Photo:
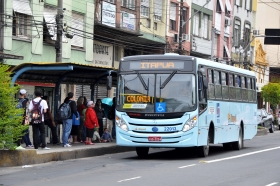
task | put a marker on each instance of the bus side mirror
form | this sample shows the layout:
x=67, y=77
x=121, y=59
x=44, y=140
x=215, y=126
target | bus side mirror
x=109, y=82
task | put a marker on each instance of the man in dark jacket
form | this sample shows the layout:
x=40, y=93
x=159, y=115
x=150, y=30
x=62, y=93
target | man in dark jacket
x=67, y=124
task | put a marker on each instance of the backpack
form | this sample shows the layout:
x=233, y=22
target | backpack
x=36, y=114
x=19, y=104
x=64, y=111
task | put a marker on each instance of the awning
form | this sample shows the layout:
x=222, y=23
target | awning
x=22, y=6
x=228, y=5
x=50, y=20
x=226, y=48
x=222, y=6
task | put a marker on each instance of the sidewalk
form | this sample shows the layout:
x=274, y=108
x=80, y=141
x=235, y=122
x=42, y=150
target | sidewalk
x=59, y=153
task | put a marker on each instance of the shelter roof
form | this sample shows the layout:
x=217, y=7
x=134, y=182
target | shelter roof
x=51, y=72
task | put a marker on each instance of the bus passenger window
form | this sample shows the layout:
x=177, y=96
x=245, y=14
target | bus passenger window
x=224, y=85
x=243, y=82
x=211, y=88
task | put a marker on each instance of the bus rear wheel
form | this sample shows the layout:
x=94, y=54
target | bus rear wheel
x=142, y=151
x=237, y=145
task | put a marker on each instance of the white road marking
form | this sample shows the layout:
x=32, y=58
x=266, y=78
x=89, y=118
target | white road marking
x=186, y=166
x=241, y=155
x=130, y=179
x=274, y=183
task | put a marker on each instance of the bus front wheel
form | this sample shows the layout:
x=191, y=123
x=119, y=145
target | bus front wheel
x=142, y=151
x=203, y=151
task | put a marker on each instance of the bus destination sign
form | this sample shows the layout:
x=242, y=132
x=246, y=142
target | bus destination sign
x=135, y=65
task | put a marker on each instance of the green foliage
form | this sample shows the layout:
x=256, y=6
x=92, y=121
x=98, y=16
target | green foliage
x=271, y=93
x=11, y=128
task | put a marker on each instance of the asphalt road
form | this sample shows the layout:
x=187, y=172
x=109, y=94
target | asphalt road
x=255, y=165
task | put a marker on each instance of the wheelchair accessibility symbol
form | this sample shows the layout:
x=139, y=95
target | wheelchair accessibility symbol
x=160, y=107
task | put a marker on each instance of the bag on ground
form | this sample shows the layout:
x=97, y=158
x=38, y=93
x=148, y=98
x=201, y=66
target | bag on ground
x=36, y=113
x=64, y=111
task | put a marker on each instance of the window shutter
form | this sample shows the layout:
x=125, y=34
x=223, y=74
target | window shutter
x=22, y=6
x=173, y=11
x=158, y=7
x=77, y=30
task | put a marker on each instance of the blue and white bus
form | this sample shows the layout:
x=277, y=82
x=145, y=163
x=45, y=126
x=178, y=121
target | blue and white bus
x=173, y=101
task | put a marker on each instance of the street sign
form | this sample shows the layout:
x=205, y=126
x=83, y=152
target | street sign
x=10, y=56
x=272, y=40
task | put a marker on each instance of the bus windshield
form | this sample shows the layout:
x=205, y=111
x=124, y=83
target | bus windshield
x=157, y=93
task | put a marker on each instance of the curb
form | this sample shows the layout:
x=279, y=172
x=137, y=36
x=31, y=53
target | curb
x=11, y=158
x=261, y=132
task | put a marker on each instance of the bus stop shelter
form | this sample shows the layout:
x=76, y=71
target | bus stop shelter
x=63, y=73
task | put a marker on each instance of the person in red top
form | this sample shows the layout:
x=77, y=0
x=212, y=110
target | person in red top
x=91, y=122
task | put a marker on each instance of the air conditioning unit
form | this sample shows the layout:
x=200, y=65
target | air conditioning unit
x=185, y=37
x=256, y=32
x=176, y=38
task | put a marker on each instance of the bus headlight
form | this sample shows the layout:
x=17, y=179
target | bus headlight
x=121, y=123
x=190, y=124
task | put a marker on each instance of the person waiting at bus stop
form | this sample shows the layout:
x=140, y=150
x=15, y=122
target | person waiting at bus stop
x=91, y=122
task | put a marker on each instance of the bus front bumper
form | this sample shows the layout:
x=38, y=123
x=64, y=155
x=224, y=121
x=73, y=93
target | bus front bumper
x=178, y=139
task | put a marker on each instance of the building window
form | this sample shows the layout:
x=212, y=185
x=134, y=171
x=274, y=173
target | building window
x=145, y=11
x=246, y=36
x=21, y=25
x=204, y=26
x=155, y=26
x=129, y=4
x=236, y=33
x=148, y=23
x=196, y=24
x=172, y=25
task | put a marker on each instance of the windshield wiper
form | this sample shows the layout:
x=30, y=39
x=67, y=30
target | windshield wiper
x=168, y=79
x=142, y=81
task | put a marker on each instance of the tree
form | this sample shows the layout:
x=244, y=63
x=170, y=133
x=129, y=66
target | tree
x=271, y=93
x=11, y=128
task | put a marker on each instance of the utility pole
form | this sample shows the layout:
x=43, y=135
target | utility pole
x=181, y=27
x=59, y=28
x=2, y=24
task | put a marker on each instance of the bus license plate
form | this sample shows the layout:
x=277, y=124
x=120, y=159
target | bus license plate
x=154, y=138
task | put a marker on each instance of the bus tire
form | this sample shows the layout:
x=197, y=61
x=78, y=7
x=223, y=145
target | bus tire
x=237, y=145
x=227, y=146
x=142, y=151
x=203, y=151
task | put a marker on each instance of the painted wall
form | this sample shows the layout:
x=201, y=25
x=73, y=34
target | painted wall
x=268, y=16
x=150, y=33
x=35, y=50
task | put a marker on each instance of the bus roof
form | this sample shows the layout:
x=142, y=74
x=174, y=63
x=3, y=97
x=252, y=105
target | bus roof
x=183, y=57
